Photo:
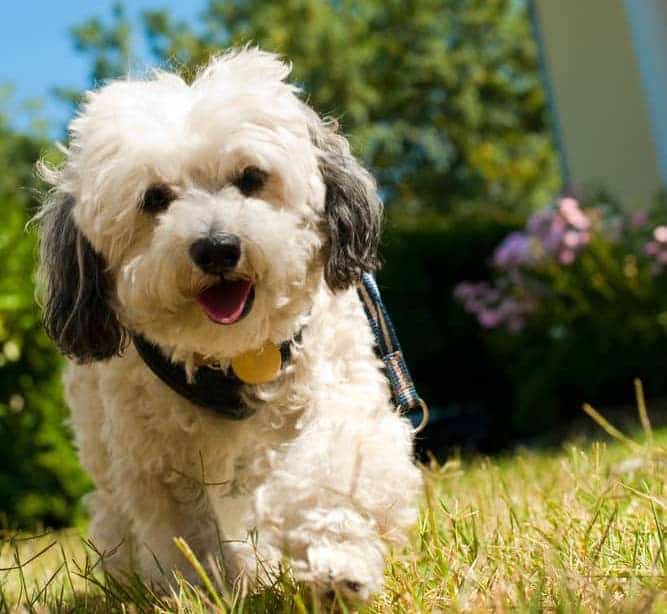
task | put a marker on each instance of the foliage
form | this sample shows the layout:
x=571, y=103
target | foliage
x=39, y=477
x=578, y=305
x=110, y=46
x=579, y=530
x=441, y=99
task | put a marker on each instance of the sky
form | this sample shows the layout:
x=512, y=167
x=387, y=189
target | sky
x=37, y=51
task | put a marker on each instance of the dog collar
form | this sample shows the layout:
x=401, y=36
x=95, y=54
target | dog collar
x=211, y=388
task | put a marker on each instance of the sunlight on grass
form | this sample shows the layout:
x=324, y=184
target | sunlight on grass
x=580, y=530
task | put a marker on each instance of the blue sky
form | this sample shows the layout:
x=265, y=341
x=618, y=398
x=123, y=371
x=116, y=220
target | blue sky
x=37, y=51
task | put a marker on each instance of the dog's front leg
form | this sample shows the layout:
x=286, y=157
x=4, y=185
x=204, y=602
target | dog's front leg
x=155, y=473
x=345, y=486
x=163, y=506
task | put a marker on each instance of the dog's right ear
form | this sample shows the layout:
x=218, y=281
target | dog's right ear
x=77, y=311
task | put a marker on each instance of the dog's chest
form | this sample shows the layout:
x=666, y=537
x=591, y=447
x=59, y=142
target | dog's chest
x=249, y=462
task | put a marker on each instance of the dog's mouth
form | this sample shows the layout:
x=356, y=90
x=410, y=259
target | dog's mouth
x=227, y=301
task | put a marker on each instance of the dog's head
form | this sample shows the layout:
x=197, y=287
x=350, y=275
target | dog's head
x=203, y=216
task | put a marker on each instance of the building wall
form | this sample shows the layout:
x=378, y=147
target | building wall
x=603, y=115
x=648, y=23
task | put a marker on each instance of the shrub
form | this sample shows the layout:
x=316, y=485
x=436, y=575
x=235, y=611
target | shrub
x=575, y=308
x=40, y=481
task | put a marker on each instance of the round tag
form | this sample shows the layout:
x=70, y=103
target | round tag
x=258, y=366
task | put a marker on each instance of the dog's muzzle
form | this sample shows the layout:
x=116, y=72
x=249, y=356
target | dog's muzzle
x=229, y=299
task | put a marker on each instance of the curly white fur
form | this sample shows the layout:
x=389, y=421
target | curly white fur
x=322, y=473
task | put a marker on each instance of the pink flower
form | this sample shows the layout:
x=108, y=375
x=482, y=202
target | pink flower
x=660, y=234
x=569, y=209
x=638, y=219
x=493, y=306
x=651, y=248
x=566, y=256
x=572, y=239
x=489, y=318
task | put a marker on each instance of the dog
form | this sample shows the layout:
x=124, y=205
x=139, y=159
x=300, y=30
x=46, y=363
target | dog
x=195, y=225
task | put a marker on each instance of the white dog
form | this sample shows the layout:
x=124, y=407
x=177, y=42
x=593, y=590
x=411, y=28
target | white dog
x=220, y=228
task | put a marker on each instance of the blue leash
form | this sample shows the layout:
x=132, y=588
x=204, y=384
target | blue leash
x=403, y=388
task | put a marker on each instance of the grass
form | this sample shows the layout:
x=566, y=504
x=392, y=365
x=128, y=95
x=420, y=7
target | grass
x=581, y=529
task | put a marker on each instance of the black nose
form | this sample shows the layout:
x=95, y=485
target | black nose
x=216, y=254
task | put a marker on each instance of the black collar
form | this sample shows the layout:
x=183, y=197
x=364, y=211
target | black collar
x=212, y=388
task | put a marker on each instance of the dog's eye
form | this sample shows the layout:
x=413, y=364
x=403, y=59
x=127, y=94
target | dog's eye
x=251, y=180
x=157, y=198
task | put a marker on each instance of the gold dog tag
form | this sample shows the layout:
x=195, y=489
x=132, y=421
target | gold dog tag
x=258, y=366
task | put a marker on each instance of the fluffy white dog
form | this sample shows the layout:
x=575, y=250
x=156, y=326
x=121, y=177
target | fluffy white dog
x=192, y=226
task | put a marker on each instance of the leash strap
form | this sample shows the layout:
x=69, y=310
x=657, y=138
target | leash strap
x=389, y=350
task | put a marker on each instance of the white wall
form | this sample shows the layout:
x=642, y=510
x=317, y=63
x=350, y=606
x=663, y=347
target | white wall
x=604, y=120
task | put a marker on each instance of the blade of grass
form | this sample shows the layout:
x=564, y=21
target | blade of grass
x=30, y=560
x=598, y=548
x=609, y=428
x=182, y=545
x=643, y=413
x=643, y=495
x=68, y=574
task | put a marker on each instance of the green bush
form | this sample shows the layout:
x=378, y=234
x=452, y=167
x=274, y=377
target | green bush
x=40, y=481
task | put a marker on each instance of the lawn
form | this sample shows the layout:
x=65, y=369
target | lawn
x=578, y=529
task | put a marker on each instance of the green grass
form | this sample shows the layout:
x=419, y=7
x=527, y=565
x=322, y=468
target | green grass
x=581, y=529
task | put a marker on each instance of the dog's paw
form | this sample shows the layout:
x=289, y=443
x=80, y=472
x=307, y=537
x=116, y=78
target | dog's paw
x=352, y=570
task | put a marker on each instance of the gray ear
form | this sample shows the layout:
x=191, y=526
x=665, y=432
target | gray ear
x=77, y=312
x=353, y=210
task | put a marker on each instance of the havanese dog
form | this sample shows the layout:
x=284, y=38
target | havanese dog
x=201, y=246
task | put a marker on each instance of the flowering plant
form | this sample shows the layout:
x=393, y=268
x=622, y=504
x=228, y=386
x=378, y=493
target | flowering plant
x=556, y=234
x=532, y=264
x=576, y=303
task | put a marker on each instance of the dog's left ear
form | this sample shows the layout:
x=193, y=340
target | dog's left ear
x=352, y=212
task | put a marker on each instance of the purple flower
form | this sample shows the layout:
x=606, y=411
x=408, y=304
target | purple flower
x=566, y=256
x=489, y=318
x=554, y=237
x=651, y=248
x=556, y=234
x=516, y=250
x=494, y=306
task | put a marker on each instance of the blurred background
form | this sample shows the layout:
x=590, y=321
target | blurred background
x=520, y=148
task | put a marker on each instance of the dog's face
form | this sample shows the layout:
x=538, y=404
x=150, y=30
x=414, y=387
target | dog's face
x=202, y=216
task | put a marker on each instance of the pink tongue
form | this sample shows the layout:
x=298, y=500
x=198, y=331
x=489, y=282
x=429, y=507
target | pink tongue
x=224, y=302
